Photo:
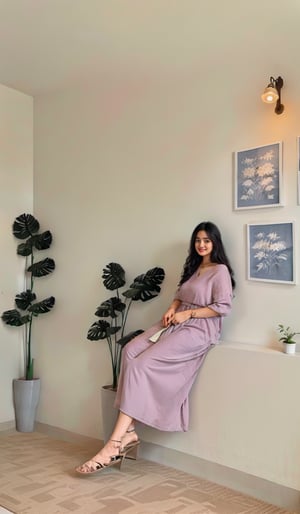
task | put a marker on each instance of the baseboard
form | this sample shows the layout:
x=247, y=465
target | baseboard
x=251, y=485
x=7, y=425
x=254, y=486
x=66, y=435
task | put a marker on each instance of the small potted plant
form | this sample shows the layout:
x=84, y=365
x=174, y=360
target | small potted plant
x=113, y=314
x=26, y=389
x=287, y=338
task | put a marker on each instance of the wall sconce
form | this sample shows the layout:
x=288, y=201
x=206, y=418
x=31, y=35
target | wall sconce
x=272, y=94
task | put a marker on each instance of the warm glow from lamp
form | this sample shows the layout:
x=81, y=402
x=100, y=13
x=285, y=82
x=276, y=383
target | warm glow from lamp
x=270, y=95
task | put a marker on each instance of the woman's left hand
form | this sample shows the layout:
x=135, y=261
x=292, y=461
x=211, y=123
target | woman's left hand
x=180, y=317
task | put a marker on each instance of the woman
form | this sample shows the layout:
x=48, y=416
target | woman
x=159, y=366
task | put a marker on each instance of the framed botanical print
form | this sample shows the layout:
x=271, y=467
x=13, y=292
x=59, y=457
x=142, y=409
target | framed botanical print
x=271, y=252
x=258, y=177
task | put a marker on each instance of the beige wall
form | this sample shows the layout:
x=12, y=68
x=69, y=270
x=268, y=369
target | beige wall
x=16, y=196
x=124, y=171
x=125, y=167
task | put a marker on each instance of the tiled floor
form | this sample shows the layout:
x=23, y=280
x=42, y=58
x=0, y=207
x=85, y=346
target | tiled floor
x=37, y=477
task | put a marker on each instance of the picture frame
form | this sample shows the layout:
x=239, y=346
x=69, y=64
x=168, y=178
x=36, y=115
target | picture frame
x=298, y=170
x=258, y=177
x=271, y=252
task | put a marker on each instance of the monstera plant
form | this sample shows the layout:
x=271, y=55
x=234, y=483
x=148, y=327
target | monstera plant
x=26, y=228
x=115, y=311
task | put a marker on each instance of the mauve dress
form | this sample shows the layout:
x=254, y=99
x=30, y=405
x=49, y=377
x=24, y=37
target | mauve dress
x=156, y=378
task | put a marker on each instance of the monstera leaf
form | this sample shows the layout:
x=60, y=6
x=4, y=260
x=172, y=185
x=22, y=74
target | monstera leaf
x=126, y=339
x=42, y=268
x=39, y=242
x=111, y=307
x=101, y=330
x=146, y=286
x=14, y=318
x=25, y=249
x=25, y=226
x=113, y=276
x=23, y=300
x=43, y=241
x=43, y=306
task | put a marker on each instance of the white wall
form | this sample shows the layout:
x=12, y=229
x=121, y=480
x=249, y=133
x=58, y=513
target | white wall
x=124, y=170
x=16, y=196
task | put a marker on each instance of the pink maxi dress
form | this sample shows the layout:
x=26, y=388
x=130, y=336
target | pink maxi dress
x=156, y=378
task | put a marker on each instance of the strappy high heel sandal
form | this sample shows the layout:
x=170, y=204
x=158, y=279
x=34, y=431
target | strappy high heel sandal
x=130, y=450
x=115, y=460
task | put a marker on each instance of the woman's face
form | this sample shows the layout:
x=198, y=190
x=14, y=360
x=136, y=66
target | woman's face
x=203, y=245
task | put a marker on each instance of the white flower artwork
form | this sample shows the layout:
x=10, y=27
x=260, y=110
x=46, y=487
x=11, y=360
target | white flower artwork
x=258, y=177
x=271, y=252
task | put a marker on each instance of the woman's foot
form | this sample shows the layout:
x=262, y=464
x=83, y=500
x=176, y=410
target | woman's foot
x=108, y=456
x=129, y=440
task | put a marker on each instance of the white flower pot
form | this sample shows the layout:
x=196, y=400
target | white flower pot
x=289, y=348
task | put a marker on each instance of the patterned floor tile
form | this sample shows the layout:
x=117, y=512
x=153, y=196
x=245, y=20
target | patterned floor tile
x=37, y=477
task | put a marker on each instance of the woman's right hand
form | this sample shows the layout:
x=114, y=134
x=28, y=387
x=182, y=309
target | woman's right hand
x=168, y=317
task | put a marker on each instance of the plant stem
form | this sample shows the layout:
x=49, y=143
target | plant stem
x=125, y=317
x=110, y=346
x=29, y=367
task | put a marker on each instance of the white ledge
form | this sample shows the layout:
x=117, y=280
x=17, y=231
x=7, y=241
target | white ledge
x=275, y=349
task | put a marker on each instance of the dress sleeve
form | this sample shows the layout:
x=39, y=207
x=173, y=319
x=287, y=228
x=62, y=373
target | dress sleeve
x=221, y=292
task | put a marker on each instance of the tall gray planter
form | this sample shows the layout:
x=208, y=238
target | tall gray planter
x=26, y=394
x=109, y=413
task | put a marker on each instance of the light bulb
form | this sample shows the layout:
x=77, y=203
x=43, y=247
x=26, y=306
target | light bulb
x=270, y=95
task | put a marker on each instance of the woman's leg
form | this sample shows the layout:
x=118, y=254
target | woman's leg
x=112, y=447
x=132, y=350
x=156, y=382
x=122, y=425
x=124, y=430
x=130, y=437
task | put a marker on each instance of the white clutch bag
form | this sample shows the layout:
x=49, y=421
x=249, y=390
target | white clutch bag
x=157, y=335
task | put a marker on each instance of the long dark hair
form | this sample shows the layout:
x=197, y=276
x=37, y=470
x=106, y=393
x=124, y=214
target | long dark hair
x=218, y=254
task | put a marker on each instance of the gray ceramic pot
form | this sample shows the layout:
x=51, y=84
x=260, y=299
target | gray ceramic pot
x=26, y=394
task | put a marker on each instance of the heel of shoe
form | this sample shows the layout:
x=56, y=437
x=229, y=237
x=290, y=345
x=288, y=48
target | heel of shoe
x=132, y=452
x=120, y=462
